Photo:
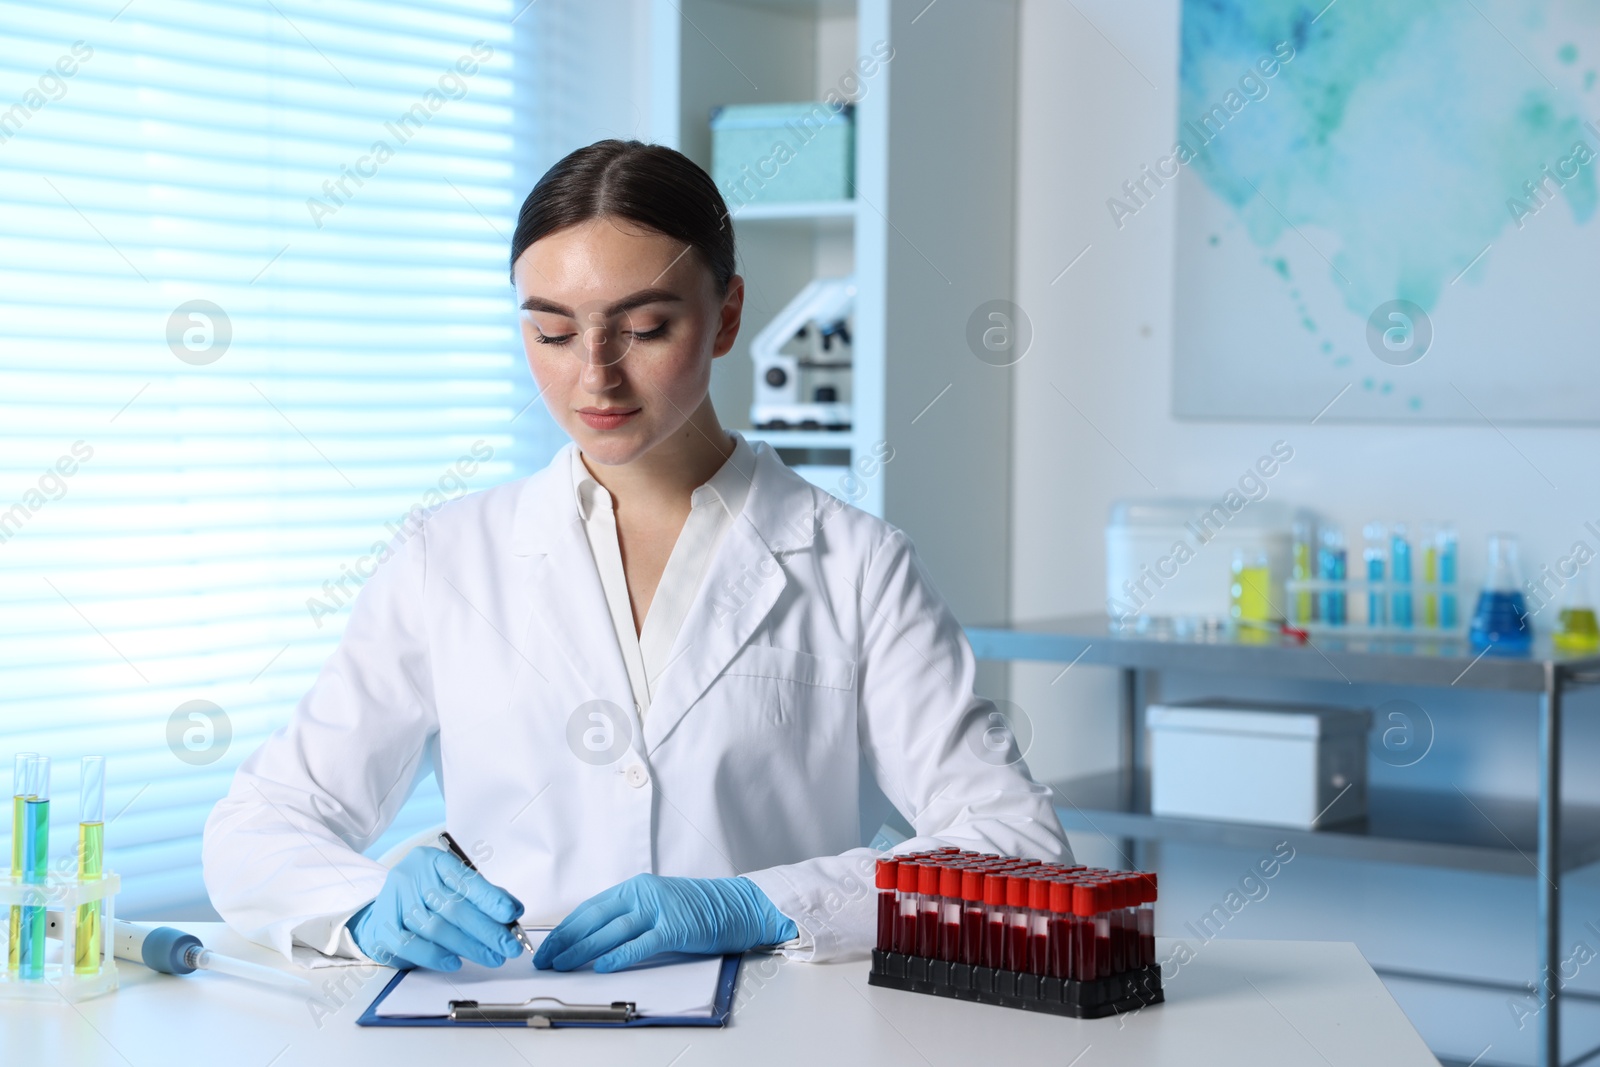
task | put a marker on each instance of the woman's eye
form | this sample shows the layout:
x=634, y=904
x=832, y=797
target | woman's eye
x=650, y=335
x=559, y=339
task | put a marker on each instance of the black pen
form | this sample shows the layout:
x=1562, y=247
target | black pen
x=455, y=850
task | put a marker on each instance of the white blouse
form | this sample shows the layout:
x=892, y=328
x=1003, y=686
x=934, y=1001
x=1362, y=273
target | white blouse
x=712, y=510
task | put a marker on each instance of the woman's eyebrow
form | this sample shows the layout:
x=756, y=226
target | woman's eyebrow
x=627, y=303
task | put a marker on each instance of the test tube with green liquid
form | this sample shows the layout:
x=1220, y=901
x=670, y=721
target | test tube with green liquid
x=91, y=848
x=35, y=863
x=19, y=813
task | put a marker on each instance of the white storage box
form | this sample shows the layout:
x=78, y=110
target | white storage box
x=1282, y=765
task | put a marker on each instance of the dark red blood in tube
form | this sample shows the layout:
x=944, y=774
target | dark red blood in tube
x=1084, y=965
x=994, y=937
x=971, y=917
x=905, y=936
x=887, y=879
x=928, y=912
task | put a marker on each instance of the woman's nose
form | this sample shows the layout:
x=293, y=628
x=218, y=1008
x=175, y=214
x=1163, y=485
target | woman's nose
x=601, y=360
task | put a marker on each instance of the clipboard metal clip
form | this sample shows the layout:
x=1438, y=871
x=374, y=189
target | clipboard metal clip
x=536, y=1012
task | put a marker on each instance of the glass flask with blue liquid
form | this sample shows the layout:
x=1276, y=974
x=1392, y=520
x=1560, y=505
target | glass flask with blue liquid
x=1500, y=622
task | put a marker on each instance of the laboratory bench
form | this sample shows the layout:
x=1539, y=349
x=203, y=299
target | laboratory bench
x=1228, y=1004
x=1540, y=837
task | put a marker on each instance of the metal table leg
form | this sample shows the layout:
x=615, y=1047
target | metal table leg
x=1129, y=713
x=1549, y=953
x=1137, y=689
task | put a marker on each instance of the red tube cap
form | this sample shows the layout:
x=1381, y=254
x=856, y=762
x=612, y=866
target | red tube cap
x=972, y=885
x=928, y=882
x=1039, y=894
x=1085, y=897
x=888, y=876
x=994, y=890
x=1017, y=890
x=950, y=882
x=908, y=877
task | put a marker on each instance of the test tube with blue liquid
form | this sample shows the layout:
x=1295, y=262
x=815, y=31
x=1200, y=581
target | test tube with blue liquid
x=1304, y=568
x=1331, y=567
x=1400, y=573
x=19, y=823
x=1376, y=555
x=35, y=864
x=1446, y=542
x=91, y=847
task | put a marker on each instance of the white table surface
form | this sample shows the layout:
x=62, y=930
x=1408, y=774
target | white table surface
x=1283, y=1003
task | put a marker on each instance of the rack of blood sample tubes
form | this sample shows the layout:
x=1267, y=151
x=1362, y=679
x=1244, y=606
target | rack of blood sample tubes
x=1021, y=933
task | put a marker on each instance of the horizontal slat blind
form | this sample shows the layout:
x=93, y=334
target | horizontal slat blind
x=339, y=178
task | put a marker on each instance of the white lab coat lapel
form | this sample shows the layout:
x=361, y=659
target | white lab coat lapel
x=571, y=624
x=744, y=581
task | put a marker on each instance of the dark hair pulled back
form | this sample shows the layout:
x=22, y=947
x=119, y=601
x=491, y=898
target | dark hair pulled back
x=649, y=184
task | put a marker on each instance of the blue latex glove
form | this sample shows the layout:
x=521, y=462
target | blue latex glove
x=434, y=909
x=648, y=914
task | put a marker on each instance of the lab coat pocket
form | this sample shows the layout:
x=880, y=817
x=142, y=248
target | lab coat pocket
x=787, y=664
x=796, y=684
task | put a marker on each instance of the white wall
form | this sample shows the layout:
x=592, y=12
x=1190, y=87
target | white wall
x=1097, y=99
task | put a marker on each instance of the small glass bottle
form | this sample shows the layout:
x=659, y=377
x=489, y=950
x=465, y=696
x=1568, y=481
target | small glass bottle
x=1577, y=629
x=1500, y=622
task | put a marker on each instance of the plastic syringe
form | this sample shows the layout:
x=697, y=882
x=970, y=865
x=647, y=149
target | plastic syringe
x=171, y=951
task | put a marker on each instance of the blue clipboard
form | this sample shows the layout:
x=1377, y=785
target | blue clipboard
x=721, y=1009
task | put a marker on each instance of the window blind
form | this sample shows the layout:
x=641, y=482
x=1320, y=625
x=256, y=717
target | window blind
x=253, y=311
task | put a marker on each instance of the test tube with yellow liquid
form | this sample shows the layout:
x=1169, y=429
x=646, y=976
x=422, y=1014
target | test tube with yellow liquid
x=19, y=814
x=91, y=857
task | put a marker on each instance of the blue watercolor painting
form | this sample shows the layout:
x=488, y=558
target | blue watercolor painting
x=1337, y=163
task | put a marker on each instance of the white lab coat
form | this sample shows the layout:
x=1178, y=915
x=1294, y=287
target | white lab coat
x=818, y=646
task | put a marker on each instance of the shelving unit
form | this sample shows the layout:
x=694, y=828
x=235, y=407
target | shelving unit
x=1542, y=838
x=928, y=235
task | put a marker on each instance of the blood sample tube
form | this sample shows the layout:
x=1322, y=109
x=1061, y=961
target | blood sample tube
x=950, y=912
x=928, y=910
x=1147, y=921
x=1016, y=952
x=1039, y=925
x=971, y=951
x=886, y=881
x=1058, y=964
x=907, y=879
x=1102, y=929
x=994, y=920
x=1115, y=906
x=1085, y=968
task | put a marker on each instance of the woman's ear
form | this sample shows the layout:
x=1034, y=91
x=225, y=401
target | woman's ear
x=732, y=314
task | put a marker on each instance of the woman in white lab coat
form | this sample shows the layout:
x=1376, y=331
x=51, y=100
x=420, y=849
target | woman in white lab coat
x=646, y=677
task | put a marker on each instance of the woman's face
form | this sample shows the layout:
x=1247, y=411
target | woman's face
x=621, y=324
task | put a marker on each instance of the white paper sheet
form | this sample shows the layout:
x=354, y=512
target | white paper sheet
x=667, y=984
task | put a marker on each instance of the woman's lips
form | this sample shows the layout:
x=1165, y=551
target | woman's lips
x=607, y=420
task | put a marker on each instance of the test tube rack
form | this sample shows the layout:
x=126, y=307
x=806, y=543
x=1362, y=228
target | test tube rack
x=1096, y=999
x=1442, y=601
x=61, y=893
x=938, y=914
